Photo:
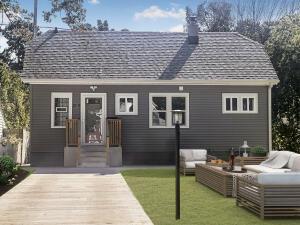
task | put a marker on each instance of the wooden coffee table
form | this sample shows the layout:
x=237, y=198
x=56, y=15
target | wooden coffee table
x=217, y=179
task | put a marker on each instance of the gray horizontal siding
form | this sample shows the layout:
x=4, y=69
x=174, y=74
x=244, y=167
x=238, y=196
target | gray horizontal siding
x=209, y=128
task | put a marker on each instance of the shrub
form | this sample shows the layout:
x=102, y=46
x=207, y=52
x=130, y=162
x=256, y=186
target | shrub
x=7, y=168
x=258, y=150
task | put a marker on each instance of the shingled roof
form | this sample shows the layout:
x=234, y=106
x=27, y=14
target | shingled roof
x=145, y=55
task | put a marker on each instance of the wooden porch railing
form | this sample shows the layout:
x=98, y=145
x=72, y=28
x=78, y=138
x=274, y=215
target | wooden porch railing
x=113, y=132
x=72, y=132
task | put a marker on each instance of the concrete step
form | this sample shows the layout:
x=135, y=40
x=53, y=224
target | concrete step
x=93, y=159
x=93, y=154
x=92, y=148
x=92, y=164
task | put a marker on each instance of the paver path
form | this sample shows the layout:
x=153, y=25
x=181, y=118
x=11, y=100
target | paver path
x=74, y=197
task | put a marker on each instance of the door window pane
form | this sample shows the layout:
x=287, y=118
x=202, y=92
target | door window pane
x=159, y=103
x=61, y=113
x=234, y=104
x=159, y=119
x=93, y=121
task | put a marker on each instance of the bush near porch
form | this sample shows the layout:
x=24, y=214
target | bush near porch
x=155, y=190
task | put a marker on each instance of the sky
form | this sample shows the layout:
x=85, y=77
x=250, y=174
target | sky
x=135, y=15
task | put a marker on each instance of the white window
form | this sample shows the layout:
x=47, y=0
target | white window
x=126, y=104
x=61, y=108
x=239, y=103
x=165, y=109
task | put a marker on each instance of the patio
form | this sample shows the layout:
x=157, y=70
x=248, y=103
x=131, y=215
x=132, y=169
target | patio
x=72, y=196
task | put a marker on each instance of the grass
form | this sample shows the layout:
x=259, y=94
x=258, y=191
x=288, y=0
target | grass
x=155, y=190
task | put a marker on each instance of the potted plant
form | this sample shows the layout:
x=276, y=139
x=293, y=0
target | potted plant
x=258, y=151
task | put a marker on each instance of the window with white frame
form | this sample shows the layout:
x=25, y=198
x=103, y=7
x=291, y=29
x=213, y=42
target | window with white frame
x=126, y=104
x=61, y=108
x=165, y=109
x=239, y=103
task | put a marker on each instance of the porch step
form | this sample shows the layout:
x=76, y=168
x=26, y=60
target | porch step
x=92, y=156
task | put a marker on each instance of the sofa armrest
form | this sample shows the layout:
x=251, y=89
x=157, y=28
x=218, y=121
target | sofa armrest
x=182, y=161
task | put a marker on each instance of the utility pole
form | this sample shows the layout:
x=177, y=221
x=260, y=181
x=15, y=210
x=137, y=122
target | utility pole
x=35, y=18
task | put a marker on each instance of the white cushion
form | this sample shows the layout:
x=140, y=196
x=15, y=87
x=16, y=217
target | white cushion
x=279, y=178
x=296, y=164
x=291, y=160
x=191, y=165
x=264, y=169
x=271, y=153
x=200, y=154
x=187, y=154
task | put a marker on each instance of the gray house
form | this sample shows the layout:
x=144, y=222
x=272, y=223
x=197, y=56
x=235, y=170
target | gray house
x=217, y=85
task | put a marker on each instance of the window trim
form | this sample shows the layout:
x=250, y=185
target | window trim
x=240, y=97
x=126, y=95
x=55, y=95
x=169, y=109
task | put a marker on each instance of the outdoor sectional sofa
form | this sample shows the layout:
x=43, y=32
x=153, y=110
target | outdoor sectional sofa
x=271, y=192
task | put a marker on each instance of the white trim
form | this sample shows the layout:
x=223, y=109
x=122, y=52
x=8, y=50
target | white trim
x=240, y=97
x=270, y=116
x=134, y=96
x=55, y=95
x=83, y=96
x=232, y=82
x=169, y=108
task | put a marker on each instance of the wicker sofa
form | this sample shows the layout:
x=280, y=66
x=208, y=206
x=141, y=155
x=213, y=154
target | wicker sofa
x=270, y=194
x=190, y=157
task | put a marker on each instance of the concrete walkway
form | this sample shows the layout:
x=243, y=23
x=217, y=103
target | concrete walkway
x=72, y=196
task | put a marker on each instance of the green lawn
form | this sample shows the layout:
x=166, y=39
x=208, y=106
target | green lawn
x=155, y=188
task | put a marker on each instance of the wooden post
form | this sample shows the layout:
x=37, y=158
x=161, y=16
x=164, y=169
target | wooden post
x=177, y=130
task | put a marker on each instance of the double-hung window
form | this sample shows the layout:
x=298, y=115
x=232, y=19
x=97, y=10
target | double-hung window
x=126, y=104
x=165, y=109
x=239, y=103
x=61, y=108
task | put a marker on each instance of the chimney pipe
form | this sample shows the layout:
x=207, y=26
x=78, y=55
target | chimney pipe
x=193, y=30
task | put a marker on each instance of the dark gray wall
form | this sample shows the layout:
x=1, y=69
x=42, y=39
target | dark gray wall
x=209, y=128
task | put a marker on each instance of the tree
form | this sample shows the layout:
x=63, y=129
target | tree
x=102, y=26
x=74, y=12
x=213, y=17
x=283, y=47
x=14, y=97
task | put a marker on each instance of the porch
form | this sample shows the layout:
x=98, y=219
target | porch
x=98, y=148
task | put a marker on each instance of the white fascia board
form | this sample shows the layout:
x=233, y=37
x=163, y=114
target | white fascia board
x=150, y=82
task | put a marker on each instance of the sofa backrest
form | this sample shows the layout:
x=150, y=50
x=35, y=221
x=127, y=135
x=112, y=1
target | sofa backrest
x=194, y=154
x=292, y=159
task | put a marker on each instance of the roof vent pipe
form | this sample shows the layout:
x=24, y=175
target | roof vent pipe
x=193, y=30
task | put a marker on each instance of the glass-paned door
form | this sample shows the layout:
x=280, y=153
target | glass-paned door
x=93, y=118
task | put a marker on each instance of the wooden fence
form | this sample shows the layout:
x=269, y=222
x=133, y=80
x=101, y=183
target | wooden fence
x=72, y=132
x=113, y=132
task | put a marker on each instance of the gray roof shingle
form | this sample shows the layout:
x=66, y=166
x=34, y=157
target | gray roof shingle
x=145, y=55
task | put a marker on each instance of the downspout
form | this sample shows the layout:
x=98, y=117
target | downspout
x=270, y=115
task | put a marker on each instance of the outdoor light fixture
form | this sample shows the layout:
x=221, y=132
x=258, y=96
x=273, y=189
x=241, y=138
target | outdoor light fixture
x=93, y=88
x=180, y=88
x=178, y=116
x=245, y=146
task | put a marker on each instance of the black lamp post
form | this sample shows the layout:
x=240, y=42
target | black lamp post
x=177, y=119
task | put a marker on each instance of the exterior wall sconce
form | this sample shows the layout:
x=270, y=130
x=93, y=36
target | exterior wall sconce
x=93, y=88
x=180, y=88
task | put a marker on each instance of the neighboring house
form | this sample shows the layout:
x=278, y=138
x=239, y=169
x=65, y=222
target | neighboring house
x=220, y=82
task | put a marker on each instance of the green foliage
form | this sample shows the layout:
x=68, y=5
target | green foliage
x=14, y=98
x=258, y=150
x=283, y=47
x=7, y=168
x=74, y=12
x=102, y=26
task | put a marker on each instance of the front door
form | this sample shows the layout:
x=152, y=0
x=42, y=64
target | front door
x=93, y=117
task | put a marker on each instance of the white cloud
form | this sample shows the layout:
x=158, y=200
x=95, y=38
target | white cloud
x=94, y=2
x=177, y=28
x=154, y=12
